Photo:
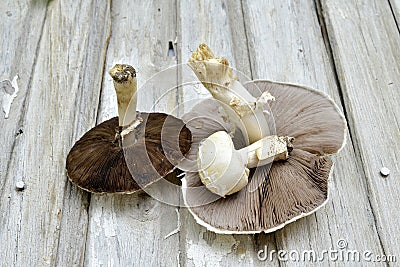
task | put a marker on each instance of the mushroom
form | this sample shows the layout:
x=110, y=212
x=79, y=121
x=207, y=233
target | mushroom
x=277, y=193
x=228, y=173
x=127, y=153
x=242, y=108
x=224, y=170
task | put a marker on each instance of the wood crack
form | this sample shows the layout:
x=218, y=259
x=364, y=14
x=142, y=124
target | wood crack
x=104, y=64
x=350, y=120
x=251, y=71
x=247, y=40
x=20, y=123
x=277, y=248
x=394, y=16
x=329, y=50
x=24, y=104
x=89, y=197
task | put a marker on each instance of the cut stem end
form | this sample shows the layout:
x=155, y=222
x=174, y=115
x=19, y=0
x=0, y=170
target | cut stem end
x=125, y=85
x=217, y=76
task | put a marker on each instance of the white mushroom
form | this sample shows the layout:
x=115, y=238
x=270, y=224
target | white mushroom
x=283, y=192
x=225, y=170
x=222, y=169
x=242, y=108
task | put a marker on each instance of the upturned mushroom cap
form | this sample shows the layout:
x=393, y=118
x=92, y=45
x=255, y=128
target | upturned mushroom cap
x=99, y=164
x=285, y=191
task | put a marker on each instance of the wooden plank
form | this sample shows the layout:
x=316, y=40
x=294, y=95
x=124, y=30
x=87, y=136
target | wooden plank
x=75, y=218
x=57, y=110
x=286, y=44
x=395, y=7
x=18, y=55
x=220, y=25
x=365, y=42
x=130, y=230
x=46, y=224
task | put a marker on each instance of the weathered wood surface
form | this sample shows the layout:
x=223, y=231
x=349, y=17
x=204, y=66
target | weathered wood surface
x=130, y=230
x=46, y=223
x=395, y=8
x=220, y=24
x=365, y=43
x=288, y=46
x=61, y=51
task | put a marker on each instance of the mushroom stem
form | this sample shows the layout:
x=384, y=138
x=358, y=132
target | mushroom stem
x=266, y=150
x=125, y=85
x=216, y=75
x=224, y=170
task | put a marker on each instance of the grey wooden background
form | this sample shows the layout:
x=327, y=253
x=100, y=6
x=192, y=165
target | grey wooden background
x=61, y=51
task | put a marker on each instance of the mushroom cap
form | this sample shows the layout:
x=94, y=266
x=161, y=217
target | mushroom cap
x=98, y=164
x=221, y=167
x=281, y=192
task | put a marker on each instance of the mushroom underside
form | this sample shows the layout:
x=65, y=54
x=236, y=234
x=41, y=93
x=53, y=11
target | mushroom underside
x=294, y=188
x=280, y=192
x=310, y=116
x=97, y=163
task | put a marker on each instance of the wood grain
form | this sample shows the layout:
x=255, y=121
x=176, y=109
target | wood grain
x=286, y=44
x=395, y=8
x=18, y=56
x=129, y=230
x=365, y=42
x=37, y=230
x=220, y=25
x=61, y=51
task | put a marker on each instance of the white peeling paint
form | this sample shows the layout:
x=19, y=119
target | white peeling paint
x=179, y=225
x=203, y=254
x=9, y=93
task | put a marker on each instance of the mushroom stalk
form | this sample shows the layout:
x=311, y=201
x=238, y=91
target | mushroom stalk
x=225, y=170
x=125, y=85
x=266, y=150
x=216, y=75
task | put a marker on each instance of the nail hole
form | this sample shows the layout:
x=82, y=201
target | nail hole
x=171, y=50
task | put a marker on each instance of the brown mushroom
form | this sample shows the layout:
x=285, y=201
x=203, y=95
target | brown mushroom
x=127, y=153
x=277, y=193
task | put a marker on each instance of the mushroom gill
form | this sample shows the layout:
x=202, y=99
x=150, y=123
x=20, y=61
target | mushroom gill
x=283, y=191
